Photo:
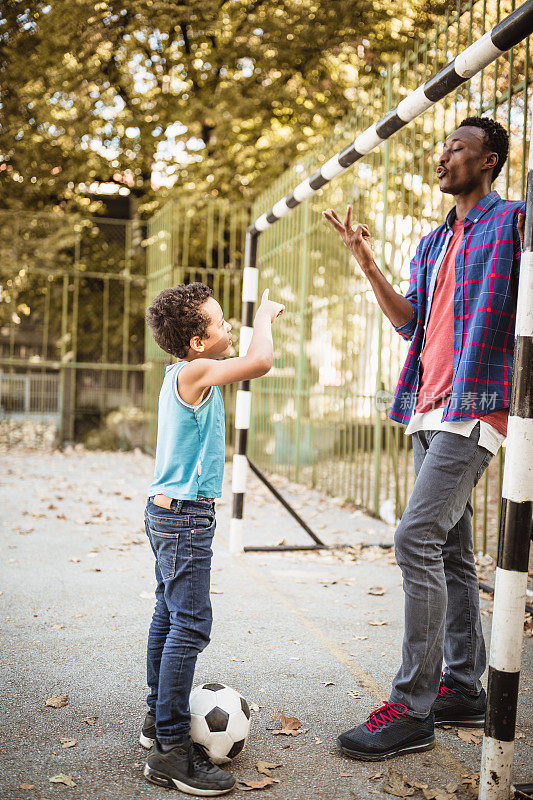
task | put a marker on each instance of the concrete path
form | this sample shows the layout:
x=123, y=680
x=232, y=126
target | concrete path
x=313, y=635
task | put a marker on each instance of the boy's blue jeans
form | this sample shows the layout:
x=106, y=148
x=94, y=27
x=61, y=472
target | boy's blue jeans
x=181, y=539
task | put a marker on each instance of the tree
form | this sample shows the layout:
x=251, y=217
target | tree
x=215, y=98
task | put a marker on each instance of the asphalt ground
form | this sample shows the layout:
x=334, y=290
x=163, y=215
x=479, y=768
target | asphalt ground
x=313, y=635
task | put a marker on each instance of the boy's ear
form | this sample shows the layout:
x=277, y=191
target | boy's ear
x=196, y=344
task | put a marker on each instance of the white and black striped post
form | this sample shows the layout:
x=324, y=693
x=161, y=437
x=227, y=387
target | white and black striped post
x=480, y=54
x=513, y=550
x=244, y=395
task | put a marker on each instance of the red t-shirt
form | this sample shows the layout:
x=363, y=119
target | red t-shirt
x=436, y=361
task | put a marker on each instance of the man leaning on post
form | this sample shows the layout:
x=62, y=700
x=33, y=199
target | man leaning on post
x=454, y=394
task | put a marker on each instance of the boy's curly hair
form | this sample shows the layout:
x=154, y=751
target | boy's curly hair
x=175, y=316
x=496, y=139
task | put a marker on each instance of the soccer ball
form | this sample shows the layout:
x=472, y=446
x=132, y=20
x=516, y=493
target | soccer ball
x=220, y=720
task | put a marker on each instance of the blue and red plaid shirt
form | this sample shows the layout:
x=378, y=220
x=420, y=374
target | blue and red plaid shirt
x=484, y=307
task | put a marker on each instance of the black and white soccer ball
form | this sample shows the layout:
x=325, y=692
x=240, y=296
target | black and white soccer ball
x=220, y=720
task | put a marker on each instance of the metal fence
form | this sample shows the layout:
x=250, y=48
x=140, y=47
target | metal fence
x=320, y=415
x=71, y=319
x=185, y=244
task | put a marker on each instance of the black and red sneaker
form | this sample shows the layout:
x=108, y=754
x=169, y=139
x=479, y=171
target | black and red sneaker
x=389, y=731
x=454, y=706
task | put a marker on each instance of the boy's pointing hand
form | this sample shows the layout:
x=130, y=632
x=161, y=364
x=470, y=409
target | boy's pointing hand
x=270, y=307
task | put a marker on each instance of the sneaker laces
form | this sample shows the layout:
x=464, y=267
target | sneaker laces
x=197, y=757
x=443, y=689
x=385, y=714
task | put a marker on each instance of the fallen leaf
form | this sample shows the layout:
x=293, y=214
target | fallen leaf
x=57, y=627
x=469, y=736
x=247, y=786
x=346, y=775
x=57, y=701
x=374, y=776
x=26, y=786
x=240, y=660
x=90, y=720
x=471, y=779
x=264, y=767
x=66, y=743
x=377, y=591
x=66, y=779
x=290, y=726
x=360, y=638
x=377, y=622
x=397, y=784
x=452, y=787
x=74, y=560
x=355, y=694
x=328, y=683
x=254, y=707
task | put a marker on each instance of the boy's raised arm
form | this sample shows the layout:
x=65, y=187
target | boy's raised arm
x=204, y=372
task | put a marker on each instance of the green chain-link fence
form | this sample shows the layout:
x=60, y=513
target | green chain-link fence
x=320, y=416
x=71, y=323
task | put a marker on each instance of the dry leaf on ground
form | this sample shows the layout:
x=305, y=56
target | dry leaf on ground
x=66, y=779
x=374, y=776
x=397, y=784
x=264, y=767
x=471, y=779
x=89, y=720
x=469, y=736
x=57, y=701
x=247, y=786
x=328, y=683
x=360, y=638
x=66, y=743
x=290, y=726
x=377, y=622
x=26, y=786
x=438, y=794
x=376, y=590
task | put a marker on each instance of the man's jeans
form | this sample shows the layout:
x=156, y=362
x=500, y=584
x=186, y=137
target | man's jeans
x=181, y=540
x=434, y=549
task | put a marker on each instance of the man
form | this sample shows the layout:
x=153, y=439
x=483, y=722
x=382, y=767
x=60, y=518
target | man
x=454, y=391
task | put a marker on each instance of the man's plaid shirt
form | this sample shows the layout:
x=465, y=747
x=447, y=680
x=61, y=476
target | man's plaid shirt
x=486, y=283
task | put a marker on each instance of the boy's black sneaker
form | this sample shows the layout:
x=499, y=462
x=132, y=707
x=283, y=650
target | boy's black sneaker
x=456, y=707
x=389, y=731
x=147, y=737
x=188, y=768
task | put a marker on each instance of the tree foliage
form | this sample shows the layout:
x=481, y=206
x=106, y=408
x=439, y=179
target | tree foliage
x=213, y=98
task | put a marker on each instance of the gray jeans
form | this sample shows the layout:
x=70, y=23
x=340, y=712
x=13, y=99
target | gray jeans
x=434, y=549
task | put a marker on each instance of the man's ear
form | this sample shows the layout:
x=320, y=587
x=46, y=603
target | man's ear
x=491, y=160
x=196, y=344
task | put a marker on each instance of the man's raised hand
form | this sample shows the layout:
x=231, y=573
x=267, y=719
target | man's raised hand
x=357, y=241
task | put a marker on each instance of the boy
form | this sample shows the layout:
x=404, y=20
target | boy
x=188, y=323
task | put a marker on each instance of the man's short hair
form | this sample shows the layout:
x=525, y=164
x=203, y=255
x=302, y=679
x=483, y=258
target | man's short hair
x=175, y=316
x=496, y=139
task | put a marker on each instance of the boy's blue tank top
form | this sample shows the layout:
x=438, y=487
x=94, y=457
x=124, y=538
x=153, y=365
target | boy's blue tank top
x=189, y=458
